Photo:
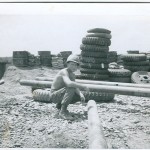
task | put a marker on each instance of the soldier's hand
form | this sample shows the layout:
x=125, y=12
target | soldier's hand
x=86, y=89
x=82, y=98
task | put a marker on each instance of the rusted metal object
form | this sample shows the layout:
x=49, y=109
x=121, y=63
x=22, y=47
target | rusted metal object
x=96, y=135
x=2, y=82
x=133, y=91
x=101, y=83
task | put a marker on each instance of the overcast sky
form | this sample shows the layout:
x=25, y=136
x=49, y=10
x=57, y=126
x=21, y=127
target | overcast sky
x=60, y=27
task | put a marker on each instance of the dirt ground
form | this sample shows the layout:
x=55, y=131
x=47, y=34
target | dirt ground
x=25, y=123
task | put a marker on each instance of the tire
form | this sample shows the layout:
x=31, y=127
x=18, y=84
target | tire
x=98, y=96
x=138, y=63
x=94, y=66
x=101, y=35
x=41, y=95
x=119, y=72
x=120, y=79
x=93, y=71
x=99, y=30
x=134, y=57
x=92, y=77
x=94, y=54
x=137, y=68
x=86, y=47
x=96, y=41
x=93, y=60
x=137, y=77
x=133, y=52
x=112, y=53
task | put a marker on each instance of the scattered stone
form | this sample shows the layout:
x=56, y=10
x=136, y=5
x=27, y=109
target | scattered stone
x=42, y=129
x=49, y=131
x=110, y=120
x=115, y=110
x=148, y=132
x=116, y=131
x=135, y=121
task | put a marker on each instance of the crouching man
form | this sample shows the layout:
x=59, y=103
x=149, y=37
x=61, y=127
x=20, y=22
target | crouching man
x=65, y=90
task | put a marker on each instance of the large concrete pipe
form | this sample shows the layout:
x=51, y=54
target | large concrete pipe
x=96, y=135
x=34, y=83
x=100, y=82
x=133, y=91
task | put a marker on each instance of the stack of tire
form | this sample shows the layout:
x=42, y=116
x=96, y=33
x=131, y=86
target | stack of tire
x=112, y=56
x=45, y=58
x=94, y=51
x=136, y=62
x=94, y=61
x=20, y=58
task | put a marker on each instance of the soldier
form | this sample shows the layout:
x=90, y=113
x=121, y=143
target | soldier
x=65, y=90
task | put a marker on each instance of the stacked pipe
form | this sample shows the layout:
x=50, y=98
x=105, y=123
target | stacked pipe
x=94, y=61
x=135, y=62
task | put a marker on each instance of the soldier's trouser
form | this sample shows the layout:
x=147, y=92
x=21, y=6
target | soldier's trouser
x=65, y=96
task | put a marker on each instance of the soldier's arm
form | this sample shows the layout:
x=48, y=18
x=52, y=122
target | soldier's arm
x=69, y=83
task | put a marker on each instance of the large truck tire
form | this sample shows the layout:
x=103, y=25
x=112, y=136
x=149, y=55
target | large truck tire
x=93, y=77
x=94, y=71
x=94, y=66
x=94, y=60
x=137, y=68
x=99, y=30
x=94, y=54
x=98, y=96
x=95, y=48
x=120, y=79
x=42, y=95
x=134, y=57
x=120, y=72
x=138, y=63
x=101, y=35
x=96, y=41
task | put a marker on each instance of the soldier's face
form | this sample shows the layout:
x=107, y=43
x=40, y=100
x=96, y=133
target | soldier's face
x=73, y=66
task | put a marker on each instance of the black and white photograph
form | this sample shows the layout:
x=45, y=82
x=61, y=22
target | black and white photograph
x=75, y=75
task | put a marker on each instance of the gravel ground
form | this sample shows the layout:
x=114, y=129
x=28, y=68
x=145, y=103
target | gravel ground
x=29, y=124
